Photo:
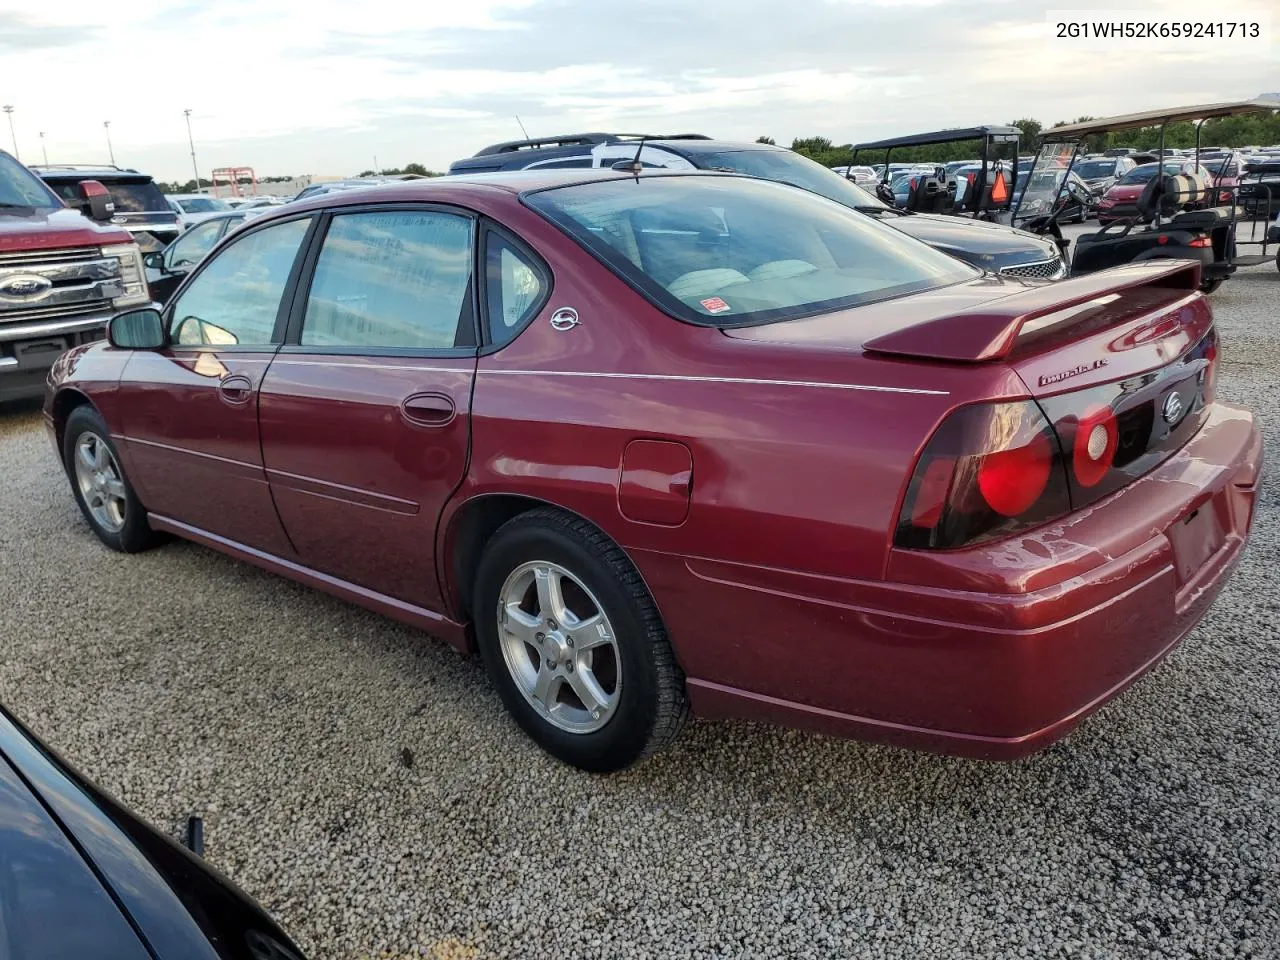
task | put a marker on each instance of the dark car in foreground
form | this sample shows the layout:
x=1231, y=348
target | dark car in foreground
x=140, y=206
x=82, y=877
x=988, y=246
x=686, y=441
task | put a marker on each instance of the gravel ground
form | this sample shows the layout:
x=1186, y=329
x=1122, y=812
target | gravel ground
x=361, y=780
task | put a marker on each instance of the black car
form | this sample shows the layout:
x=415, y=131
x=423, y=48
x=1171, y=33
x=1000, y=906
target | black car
x=1260, y=189
x=82, y=877
x=169, y=268
x=989, y=246
x=140, y=206
x=1099, y=173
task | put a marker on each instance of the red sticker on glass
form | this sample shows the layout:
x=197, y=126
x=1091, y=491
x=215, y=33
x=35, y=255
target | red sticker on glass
x=714, y=305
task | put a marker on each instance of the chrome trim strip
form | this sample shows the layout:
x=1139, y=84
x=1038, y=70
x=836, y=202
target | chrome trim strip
x=8, y=362
x=53, y=329
x=751, y=381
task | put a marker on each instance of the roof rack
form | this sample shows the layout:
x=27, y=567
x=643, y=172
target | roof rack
x=573, y=139
x=80, y=166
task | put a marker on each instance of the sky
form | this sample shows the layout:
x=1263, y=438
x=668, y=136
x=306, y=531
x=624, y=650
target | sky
x=324, y=87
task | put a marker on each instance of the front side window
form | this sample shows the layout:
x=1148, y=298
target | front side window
x=514, y=288
x=392, y=279
x=733, y=250
x=234, y=300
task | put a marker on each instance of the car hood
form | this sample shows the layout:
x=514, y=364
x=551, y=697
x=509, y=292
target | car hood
x=986, y=245
x=1125, y=191
x=31, y=228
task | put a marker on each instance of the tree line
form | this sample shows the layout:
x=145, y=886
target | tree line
x=1247, y=130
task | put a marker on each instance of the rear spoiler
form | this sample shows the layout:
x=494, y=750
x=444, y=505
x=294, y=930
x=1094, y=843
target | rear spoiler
x=990, y=331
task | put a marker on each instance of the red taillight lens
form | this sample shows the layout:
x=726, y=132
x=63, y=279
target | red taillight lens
x=989, y=470
x=1209, y=378
x=1201, y=242
x=1012, y=480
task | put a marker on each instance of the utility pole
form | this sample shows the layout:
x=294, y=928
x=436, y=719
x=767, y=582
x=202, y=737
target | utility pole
x=375, y=164
x=194, y=167
x=43, y=152
x=106, y=125
x=13, y=136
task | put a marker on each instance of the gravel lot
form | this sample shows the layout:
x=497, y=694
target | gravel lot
x=362, y=781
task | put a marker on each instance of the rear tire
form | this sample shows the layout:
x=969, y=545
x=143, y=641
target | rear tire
x=574, y=644
x=98, y=482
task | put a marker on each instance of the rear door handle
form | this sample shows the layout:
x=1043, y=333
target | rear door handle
x=235, y=389
x=428, y=409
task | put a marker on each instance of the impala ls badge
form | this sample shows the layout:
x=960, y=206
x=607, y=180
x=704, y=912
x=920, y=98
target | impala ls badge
x=1172, y=411
x=566, y=318
x=24, y=287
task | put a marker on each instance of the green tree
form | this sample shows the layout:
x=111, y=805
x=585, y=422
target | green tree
x=768, y=140
x=1030, y=129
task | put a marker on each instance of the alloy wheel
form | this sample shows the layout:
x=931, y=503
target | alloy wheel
x=559, y=647
x=100, y=482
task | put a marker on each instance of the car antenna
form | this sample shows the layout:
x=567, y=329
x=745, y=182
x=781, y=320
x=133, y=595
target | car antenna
x=522, y=129
x=633, y=165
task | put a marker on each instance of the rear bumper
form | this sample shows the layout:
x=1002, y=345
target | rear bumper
x=992, y=652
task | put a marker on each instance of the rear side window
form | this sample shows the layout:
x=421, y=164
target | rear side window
x=734, y=250
x=392, y=279
x=515, y=288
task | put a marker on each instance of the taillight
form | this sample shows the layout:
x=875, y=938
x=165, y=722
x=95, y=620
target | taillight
x=1097, y=436
x=989, y=470
x=1201, y=242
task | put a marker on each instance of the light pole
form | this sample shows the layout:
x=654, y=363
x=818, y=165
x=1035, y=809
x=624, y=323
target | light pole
x=106, y=125
x=13, y=136
x=194, y=167
x=43, y=152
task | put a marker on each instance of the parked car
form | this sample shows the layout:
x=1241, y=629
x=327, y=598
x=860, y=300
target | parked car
x=1224, y=176
x=167, y=269
x=62, y=274
x=858, y=174
x=986, y=245
x=140, y=207
x=195, y=207
x=1120, y=202
x=82, y=876
x=1100, y=173
x=1260, y=189
x=703, y=442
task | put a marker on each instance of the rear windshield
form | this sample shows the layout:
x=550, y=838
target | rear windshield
x=1094, y=169
x=787, y=167
x=19, y=187
x=144, y=197
x=728, y=251
x=203, y=205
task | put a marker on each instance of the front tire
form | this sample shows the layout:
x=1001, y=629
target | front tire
x=574, y=644
x=106, y=498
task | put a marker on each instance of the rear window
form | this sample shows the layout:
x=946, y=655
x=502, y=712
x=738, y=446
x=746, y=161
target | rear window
x=728, y=251
x=144, y=197
x=203, y=205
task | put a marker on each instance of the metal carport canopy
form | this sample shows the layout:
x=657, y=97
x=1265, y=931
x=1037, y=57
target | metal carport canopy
x=942, y=136
x=1151, y=118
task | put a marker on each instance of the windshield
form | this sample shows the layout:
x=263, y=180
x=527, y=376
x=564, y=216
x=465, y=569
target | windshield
x=144, y=197
x=728, y=251
x=1043, y=182
x=19, y=187
x=1221, y=168
x=203, y=205
x=787, y=167
x=1146, y=172
x=1096, y=169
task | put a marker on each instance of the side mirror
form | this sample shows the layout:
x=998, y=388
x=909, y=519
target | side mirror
x=137, y=330
x=96, y=200
x=153, y=260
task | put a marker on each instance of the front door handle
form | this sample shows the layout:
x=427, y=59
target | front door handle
x=235, y=389
x=428, y=409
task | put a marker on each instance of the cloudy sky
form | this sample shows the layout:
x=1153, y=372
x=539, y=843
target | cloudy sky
x=322, y=87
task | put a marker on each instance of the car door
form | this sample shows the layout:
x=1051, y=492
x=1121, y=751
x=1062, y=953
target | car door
x=365, y=414
x=182, y=256
x=190, y=410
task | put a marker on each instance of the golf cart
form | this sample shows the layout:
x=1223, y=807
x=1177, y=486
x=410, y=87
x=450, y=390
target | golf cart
x=984, y=194
x=1177, y=215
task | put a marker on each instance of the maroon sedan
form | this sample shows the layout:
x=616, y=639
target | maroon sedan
x=673, y=442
